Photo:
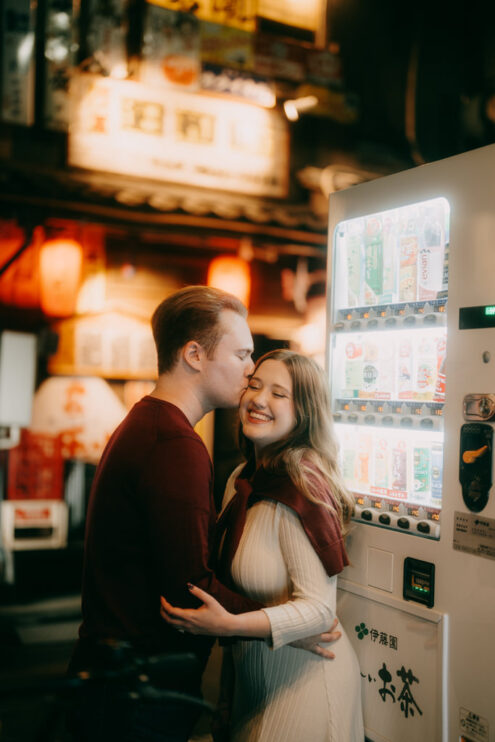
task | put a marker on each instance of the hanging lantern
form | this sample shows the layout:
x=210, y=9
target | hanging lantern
x=231, y=273
x=60, y=274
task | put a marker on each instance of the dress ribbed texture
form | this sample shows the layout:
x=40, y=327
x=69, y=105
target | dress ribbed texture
x=282, y=693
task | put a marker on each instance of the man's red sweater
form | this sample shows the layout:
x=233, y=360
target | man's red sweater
x=150, y=529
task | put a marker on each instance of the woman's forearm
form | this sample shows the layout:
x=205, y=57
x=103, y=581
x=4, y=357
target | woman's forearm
x=254, y=624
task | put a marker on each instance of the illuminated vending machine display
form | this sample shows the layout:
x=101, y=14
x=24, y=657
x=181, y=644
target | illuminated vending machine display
x=388, y=351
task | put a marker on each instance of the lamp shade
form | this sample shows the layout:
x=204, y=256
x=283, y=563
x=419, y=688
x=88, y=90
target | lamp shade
x=232, y=274
x=60, y=275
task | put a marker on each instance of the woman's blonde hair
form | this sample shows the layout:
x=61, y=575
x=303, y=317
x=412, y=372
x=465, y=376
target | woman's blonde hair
x=309, y=453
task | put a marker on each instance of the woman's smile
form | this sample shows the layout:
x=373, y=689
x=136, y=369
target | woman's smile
x=256, y=416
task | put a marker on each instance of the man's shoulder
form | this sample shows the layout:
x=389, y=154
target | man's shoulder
x=162, y=426
x=158, y=417
x=151, y=423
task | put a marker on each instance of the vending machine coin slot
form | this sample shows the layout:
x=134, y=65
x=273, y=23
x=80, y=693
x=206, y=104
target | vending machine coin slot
x=479, y=407
x=419, y=581
x=475, y=464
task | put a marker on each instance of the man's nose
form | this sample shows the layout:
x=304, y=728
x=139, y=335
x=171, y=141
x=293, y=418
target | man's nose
x=249, y=367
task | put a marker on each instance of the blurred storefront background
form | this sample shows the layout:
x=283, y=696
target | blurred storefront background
x=147, y=145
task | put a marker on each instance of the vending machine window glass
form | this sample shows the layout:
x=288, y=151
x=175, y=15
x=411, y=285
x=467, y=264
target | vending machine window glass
x=387, y=362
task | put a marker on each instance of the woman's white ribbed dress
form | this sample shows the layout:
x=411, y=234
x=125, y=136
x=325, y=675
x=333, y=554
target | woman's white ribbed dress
x=284, y=694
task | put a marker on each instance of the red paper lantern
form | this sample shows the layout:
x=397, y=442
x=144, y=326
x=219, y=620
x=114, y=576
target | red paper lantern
x=232, y=274
x=60, y=275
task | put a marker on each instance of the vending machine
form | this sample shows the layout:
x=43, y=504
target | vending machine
x=411, y=363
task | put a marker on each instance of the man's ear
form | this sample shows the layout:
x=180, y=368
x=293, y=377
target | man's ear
x=193, y=354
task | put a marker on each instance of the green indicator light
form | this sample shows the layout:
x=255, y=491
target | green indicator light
x=421, y=589
x=489, y=311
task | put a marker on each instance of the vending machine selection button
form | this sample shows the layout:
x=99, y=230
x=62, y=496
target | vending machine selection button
x=430, y=319
x=427, y=422
x=423, y=527
x=367, y=515
x=384, y=518
x=403, y=523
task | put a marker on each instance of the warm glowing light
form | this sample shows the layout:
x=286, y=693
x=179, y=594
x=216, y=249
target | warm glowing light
x=119, y=71
x=60, y=274
x=232, y=274
x=25, y=51
x=294, y=107
x=305, y=14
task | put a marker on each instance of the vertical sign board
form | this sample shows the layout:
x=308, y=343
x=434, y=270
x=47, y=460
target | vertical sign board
x=400, y=657
x=17, y=57
x=60, y=56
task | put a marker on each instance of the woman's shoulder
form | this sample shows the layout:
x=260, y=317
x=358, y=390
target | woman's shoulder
x=230, y=486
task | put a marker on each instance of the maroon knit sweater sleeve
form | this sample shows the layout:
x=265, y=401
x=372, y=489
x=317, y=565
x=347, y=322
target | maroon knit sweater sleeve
x=176, y=487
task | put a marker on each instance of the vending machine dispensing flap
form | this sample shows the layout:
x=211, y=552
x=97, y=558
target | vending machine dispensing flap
x=475, y=464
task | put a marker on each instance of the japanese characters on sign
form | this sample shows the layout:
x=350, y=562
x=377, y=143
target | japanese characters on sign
x=209, y=141
x=400, y=658
x=390, y=690
x=381, y=637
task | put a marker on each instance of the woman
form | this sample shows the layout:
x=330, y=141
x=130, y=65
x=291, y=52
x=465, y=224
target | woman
x=280, y=535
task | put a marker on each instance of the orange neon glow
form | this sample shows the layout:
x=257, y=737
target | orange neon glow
x=232, y=274
x=60, y=274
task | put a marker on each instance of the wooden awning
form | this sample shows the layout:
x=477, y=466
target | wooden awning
x=42, y=193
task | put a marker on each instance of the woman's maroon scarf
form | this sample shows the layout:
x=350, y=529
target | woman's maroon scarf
x=322, y=526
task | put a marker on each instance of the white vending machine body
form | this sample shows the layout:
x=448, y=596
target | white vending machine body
x=411, y=363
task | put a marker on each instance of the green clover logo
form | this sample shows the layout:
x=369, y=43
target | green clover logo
x=361, y=630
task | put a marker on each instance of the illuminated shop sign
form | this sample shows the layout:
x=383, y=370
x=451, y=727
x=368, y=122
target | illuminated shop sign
x=201, y=140
x=292, y=12
x=238, y=13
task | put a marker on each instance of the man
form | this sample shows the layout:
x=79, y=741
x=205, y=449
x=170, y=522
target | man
x=151, y=515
